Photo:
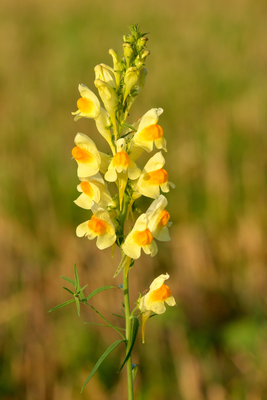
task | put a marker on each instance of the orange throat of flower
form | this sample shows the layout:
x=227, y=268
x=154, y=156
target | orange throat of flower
x=87, y=189
x=164, y=217
x=160, y=294
x=85, y=105
x=98, y=226
x=142, y=238
x=158, y=177
x=82, y=155
x=121, y=159
x=151, y=132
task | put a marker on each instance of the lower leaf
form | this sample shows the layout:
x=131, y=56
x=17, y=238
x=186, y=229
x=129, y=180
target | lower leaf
x=101, y=359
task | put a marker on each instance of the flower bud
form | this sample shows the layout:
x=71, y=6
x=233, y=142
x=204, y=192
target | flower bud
x=128, y=38
x=128, y=53
x=102, y=124
x=117, y=66
x=139, y=86
x=107, y=94
x=109, y=98
x=141, y=42
x=106, y=74
x=140, y=61
x=130, y=79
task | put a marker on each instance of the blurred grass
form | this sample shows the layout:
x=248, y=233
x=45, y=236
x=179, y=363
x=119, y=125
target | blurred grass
x=207, y=70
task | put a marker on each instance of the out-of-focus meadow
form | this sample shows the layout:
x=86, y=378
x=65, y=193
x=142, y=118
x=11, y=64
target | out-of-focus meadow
x=207, y=70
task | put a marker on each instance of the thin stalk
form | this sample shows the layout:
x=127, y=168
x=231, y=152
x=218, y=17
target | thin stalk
x=128, y=332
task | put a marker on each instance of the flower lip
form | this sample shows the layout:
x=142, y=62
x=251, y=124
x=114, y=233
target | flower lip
x=87, y=188
x=85, y=105
x=121, y=159
x=151, y=132
x=142, y=238
x=158, y=177
x=164, y=218
x=160, y=294
x=81, y=155
x=97, y=225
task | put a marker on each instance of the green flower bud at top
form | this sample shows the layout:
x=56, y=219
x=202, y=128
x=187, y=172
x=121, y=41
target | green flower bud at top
x=144, y=54
x=117, y=65
x=141, y=43
x=128, y=38
x=140, y=61
x=106, y=74
x=138, y=88
x=130, y=79
x=128, y=53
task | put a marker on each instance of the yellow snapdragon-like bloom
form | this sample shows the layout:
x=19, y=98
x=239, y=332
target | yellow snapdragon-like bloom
x=93, y=190
x=88, y=104
x=139, y=238
x=153, y=178
x=121, y=167
x=158, y=219
x=153, y=301
x=100, y=226
x=149, y=132
x=121, y=162
x=87, y=156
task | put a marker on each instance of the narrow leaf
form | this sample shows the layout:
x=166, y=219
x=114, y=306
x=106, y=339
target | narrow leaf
x=68, y=290
x=81, y=294
x=98, y=291
x=77, y=282
x=105, y=319
x=101, y=359
x=134, y=370
x=135, y=327
x=78, y=306
x=66, y=303
x=121, y=265
x=107, y=326
x=119, y=316
x=129, y=126
x=68, y=280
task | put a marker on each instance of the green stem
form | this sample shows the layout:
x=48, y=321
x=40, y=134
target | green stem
x=128, y=331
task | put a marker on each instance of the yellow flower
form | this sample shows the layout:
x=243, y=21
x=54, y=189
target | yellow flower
x=87, y=156
x=93, y=189
x=153, y=301
x=158, y=219
x=149, y=132
x=153, y=178
x=88, y=105
x=139, y=238
x=121, y=162
x=100, y=226
x=121, y=167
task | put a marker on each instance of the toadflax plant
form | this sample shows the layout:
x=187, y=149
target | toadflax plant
x=118, y=88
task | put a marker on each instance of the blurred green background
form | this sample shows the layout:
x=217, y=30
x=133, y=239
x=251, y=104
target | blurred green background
x=207, y=70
